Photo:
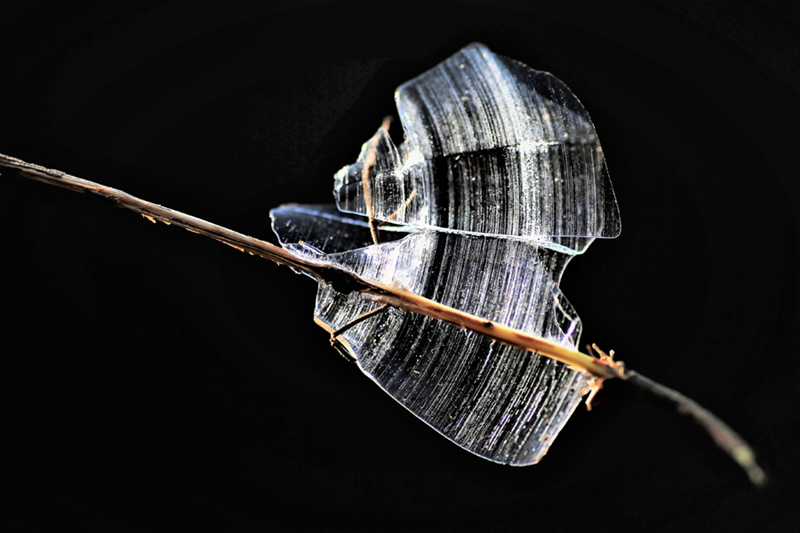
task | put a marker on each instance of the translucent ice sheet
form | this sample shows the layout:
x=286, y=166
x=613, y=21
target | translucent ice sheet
x=502, y=403
x=499, y=183
x=492, y=146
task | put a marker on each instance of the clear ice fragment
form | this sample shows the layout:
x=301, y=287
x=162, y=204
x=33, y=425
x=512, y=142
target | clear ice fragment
x=499, y=183
x=492, y=146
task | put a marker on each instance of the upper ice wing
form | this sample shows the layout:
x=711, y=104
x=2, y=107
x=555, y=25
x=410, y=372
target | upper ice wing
x=492, y=147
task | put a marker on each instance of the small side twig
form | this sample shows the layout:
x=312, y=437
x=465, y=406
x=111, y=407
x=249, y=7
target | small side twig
x=369, y=162
x=358, y=320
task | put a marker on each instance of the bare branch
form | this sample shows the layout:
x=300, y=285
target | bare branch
x=339, y=279
x=600, y=369
x=722, y=435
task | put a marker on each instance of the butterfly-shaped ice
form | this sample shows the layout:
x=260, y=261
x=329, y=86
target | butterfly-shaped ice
x=500, y=182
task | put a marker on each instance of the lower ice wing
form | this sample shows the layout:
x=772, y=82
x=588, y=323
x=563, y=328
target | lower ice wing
x=501, y=403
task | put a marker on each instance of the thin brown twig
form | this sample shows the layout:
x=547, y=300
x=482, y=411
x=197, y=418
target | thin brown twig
x=722, y=435
x=599, y=369
x=340, y=279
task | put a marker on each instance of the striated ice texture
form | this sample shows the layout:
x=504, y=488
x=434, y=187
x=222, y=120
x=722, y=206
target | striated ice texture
x=493, y=147
x=500, y=182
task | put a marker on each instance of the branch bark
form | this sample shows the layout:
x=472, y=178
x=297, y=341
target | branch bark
x=599, y=368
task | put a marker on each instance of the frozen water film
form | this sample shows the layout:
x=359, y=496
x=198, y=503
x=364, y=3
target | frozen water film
x=499, y=183
x=492, y=146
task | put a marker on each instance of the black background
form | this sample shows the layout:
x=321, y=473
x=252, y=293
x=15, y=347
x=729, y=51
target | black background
x=157, y=380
